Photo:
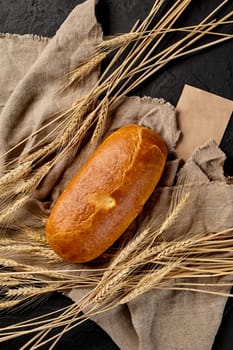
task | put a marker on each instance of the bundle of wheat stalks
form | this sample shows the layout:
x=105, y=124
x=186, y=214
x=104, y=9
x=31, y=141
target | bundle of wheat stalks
x=145, y=262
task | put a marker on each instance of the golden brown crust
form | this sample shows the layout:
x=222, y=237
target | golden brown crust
x=107, y=194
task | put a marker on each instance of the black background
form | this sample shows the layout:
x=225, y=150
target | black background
x=210, y=70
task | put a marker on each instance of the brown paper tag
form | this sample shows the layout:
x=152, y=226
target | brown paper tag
x=201, y=116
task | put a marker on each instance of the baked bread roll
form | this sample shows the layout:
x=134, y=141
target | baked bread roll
x=107, y=193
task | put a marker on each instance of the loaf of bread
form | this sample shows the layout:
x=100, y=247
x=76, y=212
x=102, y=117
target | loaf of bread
x=106, y=195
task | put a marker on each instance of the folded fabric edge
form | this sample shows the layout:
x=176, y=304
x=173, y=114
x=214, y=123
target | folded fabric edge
x=24, y=36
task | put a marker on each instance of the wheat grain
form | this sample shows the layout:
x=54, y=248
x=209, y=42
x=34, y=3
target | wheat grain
x=118, y=278
x=31, y=269
x=13, y=209
x=35, y=235
x=119, y=40
x=45, y=254
x=148, y=235
x=75, y=121
x=8, y=263
x=24, y=248
x=48, y=256
x=147, y=282
x=113, y=278
x=6, y=241
x=98, y=132
x=8, y=281
x=41, y=270
x=101, y=123
x=15, y=174
x=30, y=291
x=8, y=304
x=109, y=288
x=30, y=185
x=76, y=113
x=84, y=69
x=43, y=151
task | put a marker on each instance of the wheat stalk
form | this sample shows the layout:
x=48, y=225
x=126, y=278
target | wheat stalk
x=148, y=235
x=8, y=304
x=11, y=210
x=147, y=282
x=41, y=252
x=36, y=236
x=124, y=279
x=15, y=174
x=172, y=15
x=142, y=284
x=115, y=277
x=84, y=69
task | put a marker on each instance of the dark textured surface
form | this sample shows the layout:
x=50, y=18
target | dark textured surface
x=211, y=70
x=88, y=336
x=227, y=146
x=34, y=16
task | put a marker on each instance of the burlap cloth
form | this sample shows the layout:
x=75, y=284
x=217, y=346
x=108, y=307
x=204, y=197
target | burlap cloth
x=30, y=73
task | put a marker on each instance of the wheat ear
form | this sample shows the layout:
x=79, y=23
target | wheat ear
x=148, y=282
x=84, y=69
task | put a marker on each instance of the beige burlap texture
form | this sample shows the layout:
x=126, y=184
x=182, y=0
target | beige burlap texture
x=30, y=75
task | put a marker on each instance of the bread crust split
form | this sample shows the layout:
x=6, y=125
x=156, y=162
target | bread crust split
x=107, y=194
